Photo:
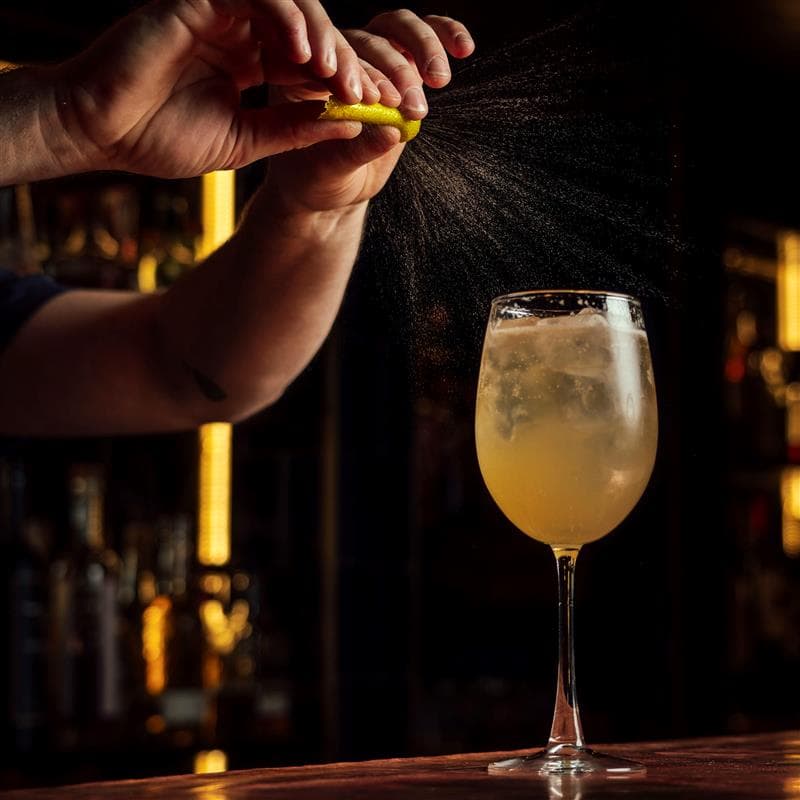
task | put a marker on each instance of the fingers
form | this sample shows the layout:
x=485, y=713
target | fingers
x=332, y=58
x=377, y=87
x=454, y=36
x=347, y=83
x=289, y=88
x=374, y=142
x=388, y=61
x=302, y=31
x=395, y=68
x=289, y=126
x=338, y=174
x=427, y=41
x=237, y=54
x=281, y=23
x=410, y=52
x=322, y=38
x=343, y=159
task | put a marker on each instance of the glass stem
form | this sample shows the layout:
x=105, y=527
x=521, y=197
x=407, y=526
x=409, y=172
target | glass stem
x=566, y=728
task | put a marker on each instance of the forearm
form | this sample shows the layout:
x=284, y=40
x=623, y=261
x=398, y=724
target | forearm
x=33, y=142
x=241, y=326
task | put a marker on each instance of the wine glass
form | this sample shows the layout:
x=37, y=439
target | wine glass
x=566, y=428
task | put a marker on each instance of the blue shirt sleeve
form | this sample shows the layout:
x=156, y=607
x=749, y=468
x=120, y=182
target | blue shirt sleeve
x=20, y=297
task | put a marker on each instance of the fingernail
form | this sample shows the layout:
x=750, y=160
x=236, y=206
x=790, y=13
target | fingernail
x=437, y=67
x=355, y=85
x=415, y=99
x=388, y=88
x=305, y=49
x=330, y=60
x=464, y=40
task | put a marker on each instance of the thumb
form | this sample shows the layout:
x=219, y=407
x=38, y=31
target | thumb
x=289, y=126
x=374, y=142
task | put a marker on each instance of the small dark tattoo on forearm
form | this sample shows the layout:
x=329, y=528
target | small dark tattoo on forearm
x=210, y=389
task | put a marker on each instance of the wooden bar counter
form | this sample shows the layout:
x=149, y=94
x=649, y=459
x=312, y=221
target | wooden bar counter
x=758, y=767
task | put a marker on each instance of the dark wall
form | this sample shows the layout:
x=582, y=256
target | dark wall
x=447, y=615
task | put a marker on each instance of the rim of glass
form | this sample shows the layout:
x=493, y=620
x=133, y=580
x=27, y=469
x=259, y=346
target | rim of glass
x=542, y=292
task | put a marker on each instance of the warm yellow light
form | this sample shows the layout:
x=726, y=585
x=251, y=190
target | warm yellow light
x=212, y=671
x=788, y=290
x=223, y=631
x=790, y=499
x=791, y=787
x=214, y=545
x=214, y=512
x=210, y=761
x=218, y=210
x=146, y=273
x=216, y=584
x=146, y=587
x=791, y=538
x=154, y=644
x=792, y=399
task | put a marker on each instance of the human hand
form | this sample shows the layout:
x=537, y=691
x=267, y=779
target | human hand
x=399, y=52
x=159, y=93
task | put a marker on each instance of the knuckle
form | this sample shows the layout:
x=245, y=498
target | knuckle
x=437, y=18
x=372, y=72
x=402, y=71
x=293, y=20
x=430, y=40
x=297, y=136
x=400, y=14
x=379, y=42
x=357, y=36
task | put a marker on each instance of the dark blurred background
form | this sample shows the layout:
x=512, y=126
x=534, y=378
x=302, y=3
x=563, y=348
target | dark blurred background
x=377, y=602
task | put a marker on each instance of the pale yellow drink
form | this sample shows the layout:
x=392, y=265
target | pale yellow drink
x=566, y=423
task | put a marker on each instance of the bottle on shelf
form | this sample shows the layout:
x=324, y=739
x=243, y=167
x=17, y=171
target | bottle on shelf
x=25, y=546
x=90, y=232
x=136, y=590
x=85, y=668
x=173, y=644
x=167, y=241
x=115, y=227
x=762, y=418
x=228, y=611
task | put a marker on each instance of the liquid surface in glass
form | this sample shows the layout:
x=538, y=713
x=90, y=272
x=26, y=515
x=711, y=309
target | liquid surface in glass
x=566, y=422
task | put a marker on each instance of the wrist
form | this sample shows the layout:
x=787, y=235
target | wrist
x=299, y=222
x=73, y=149
x=34, y=142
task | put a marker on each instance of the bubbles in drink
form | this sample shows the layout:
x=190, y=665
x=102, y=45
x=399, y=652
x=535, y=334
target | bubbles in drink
x=535, y=366
x=566, y=421
x=577, y=345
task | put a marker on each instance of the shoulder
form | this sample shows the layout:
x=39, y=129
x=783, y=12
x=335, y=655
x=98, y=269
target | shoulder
x=20, y=298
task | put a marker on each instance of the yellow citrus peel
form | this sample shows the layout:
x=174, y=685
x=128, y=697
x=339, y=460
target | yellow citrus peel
x=372, y=114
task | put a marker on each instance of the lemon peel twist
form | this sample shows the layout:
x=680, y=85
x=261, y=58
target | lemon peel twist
x=372, y=114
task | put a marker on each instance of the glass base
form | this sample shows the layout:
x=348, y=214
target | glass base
x=567, y=759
